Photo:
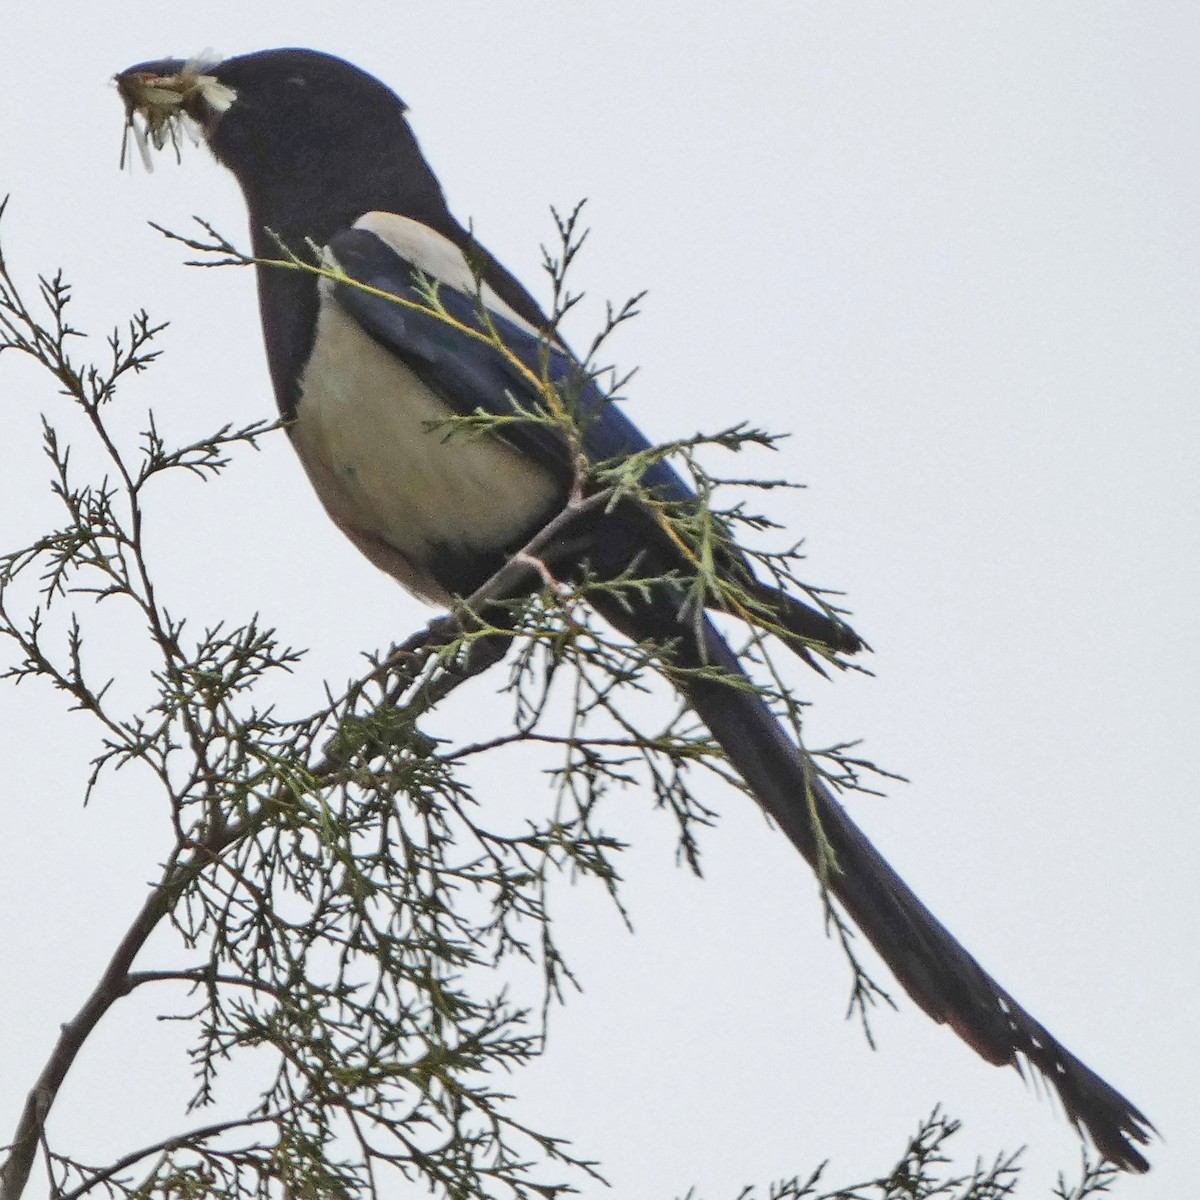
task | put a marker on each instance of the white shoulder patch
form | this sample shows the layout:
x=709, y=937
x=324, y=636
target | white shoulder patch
x=435, y=256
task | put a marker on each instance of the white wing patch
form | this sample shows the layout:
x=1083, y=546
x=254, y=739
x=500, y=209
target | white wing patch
x=394, y=487
x=435, y=256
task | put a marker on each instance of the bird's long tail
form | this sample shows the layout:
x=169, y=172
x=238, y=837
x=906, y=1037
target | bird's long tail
x=931, y=965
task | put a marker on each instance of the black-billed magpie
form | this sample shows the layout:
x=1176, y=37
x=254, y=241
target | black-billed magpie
x=325, y=156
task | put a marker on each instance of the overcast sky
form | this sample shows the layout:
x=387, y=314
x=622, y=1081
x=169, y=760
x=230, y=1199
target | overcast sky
x=952, y=249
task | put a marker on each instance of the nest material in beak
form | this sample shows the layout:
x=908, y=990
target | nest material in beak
x=168, y=105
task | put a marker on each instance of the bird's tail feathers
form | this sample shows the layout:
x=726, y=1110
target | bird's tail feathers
x=926, y=959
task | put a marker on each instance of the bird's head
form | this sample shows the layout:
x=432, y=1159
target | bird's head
x=313, y=140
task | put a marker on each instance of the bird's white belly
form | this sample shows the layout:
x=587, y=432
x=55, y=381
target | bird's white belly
x=396, y=488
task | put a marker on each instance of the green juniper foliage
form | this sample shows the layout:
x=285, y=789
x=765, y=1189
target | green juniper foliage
x=339, y=893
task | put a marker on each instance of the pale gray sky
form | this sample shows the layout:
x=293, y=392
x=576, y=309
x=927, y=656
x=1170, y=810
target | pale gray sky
x=953, y=250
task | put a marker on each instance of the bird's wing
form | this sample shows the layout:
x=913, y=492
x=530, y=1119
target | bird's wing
x=476, y=354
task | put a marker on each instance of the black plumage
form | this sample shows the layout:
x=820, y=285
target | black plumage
x=316, y=146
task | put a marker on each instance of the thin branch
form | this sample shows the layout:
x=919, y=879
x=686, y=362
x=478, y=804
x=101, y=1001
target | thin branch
x=189, y=1139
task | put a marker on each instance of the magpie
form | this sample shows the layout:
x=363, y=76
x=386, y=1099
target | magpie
x=412, y=323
